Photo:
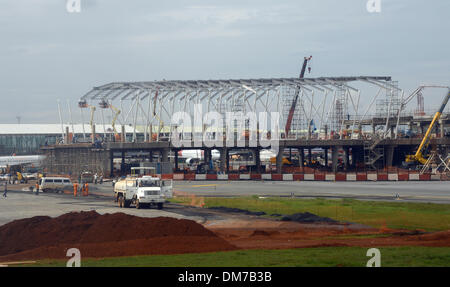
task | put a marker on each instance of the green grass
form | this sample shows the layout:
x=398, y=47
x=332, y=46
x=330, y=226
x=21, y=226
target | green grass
x=397, y=215
x=303, y=257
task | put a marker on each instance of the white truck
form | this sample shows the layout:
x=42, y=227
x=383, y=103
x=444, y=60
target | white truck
x=142, y=191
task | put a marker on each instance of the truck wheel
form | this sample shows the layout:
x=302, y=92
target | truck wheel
x=160, y=205
x=126, y=203
x=138, y=205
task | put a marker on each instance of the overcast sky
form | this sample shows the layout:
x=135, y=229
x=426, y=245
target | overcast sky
x=47, y=53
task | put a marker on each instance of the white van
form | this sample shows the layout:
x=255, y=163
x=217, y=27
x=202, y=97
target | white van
x=54, y=184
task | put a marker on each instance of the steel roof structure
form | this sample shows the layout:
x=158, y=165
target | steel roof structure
x=126, y=90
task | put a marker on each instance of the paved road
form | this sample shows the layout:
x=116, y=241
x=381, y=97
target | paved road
x=20, y=205
x=435, y=192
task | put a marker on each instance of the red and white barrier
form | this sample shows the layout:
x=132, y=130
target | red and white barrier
x=309, y=176
x=288, y=177
x=318, y=176
x=330, y=177
x=245, y=176
x=392, y=177
x=222, y=176
x=351, y=176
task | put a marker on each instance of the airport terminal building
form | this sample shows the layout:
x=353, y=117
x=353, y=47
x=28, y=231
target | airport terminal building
x=27, y=139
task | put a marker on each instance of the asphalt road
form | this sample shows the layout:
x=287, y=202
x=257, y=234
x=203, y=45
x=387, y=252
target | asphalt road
x=436, y=192
x=19, y=204
x=432, y=191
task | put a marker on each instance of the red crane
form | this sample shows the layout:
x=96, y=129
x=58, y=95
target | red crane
x=294, y=103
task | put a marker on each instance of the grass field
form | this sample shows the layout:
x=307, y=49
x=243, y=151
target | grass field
x=304, y=257
x=404, y=215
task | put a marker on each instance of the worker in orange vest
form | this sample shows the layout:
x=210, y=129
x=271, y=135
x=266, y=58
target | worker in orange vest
x=75, y=189
x=37, y=188
x=86, y=189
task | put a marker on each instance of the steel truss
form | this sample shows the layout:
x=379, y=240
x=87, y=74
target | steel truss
x=325, y=102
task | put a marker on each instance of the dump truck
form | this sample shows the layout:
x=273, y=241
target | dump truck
x=142, y=191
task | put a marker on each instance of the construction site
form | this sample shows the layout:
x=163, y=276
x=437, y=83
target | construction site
x=323, y=126
x=193, y=169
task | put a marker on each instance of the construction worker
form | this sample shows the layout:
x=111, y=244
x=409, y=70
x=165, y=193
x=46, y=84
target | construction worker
x=6, y=189
x=86, y=189
x=36, y=188
x=75, y=189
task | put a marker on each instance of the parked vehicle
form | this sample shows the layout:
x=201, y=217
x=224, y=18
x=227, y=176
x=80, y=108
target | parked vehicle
x=54, y=184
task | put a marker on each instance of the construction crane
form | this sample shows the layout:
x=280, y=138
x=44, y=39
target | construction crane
x=294, y=103
x=83, y=104
x=105, y=105
x=419, y=155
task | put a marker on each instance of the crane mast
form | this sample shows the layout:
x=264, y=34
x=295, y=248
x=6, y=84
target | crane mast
x=294, y=103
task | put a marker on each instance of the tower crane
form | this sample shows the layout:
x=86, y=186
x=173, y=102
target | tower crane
x=294, y=103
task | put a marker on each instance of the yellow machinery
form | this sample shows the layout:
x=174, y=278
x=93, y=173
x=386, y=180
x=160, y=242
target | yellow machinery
x=285, y=161
x=106, y=105
x=419, y=156
x=84, y=104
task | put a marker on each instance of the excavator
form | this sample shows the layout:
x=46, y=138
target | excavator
x=419, y=155
x=294, y=103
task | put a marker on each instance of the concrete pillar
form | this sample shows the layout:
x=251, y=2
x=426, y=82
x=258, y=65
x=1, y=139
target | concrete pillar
x=347, y=158
x=280, y=159
x=151, y=156
x=356, y=154
x=93, y=134
x=223, y=159
x=326, y=156
x=122, y=164
x=111, y=164
x=334, y=158
x=165, y=155
x=123, y=134
x=227, y=159
x=359, y=131
x=66, y=140
x=176, y=160
x=302, y=157
x=207, y=156
x=257, y=161
x=389, y=151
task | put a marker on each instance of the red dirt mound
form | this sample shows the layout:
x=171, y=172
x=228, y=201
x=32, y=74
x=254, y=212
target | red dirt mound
x=98, y=235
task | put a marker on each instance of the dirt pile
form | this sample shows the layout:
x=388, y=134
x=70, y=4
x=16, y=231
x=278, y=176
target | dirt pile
x=106, y=235
x=308, y=218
